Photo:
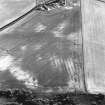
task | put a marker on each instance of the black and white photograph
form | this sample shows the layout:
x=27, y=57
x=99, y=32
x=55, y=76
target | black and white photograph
x=52, y=52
